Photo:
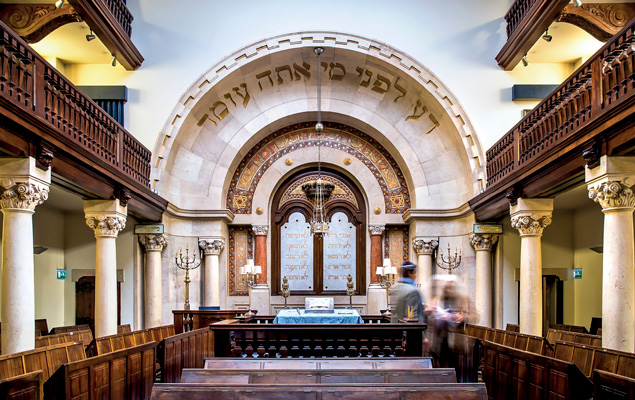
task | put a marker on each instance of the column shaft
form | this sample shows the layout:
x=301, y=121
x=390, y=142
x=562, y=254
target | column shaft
x=376, y=257
x=106, y=286
x=260, y=256
x=154, y=289
x=483, y=293
x=618, y=280
x=531, y=285
x=18, y=290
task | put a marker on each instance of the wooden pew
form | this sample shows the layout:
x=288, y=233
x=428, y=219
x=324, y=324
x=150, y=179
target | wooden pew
x=410, y=391
x=41, y=327
x=123, y=374
x=256, y=364
x=184, y=350
x=509, y=373
x=189, y=320
x=311, y=376
x=23, y=387
x=305, y=340
x=554, y=335
x=568, y=328
x=124, y=328
x=596, y=325
x=69, y=328
x=520, y=341
x=84, y=337
x=119, y=341
x=590, y=358
x=608, y=386
x=513, y=327
x=45, y=359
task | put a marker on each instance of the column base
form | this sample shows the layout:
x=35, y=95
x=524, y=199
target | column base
x=261, y=299
x=375, y=299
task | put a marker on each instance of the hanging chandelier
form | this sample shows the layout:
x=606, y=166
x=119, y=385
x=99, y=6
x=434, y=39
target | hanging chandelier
x=319, y=221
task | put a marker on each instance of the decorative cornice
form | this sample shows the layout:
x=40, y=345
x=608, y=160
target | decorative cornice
x=376, y=229
x=424, y=247
x=211, y=247
x=483, y=241
x=153, y=242
x=260, y=230
x=34, y=22
x=22, y=195
x=529, y=225
x=106, y=225
x=174, y=211
x=600, y=20
x=612, y=195
x=44, y=157
x=458, y=212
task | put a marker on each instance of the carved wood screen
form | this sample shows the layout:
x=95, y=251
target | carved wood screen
x=314, y=264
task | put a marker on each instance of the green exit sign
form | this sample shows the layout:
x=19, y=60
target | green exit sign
x=61, y=274
x=577, y=273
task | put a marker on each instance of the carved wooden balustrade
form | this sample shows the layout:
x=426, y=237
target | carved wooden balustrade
x=30, y=83
x=516, y=13
x=591, y=109
x=317, y=340
x=121, y=13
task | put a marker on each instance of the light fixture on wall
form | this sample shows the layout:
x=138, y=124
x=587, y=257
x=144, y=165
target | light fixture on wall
x=113, y=63
x=320, y=190
x=59, y=4
x=577, y=3
x=547, y=37
x=90, y=36
x=524, y=60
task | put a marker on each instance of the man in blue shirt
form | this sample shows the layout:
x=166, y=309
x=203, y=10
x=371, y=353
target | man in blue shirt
x=405, y=294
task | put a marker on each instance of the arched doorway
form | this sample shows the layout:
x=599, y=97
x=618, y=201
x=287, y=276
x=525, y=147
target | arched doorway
x=318, y=264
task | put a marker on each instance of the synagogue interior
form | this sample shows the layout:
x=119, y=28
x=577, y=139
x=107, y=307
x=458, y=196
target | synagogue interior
x=320, y=200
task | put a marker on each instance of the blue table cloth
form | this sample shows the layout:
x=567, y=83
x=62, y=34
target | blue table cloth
x=300, y=316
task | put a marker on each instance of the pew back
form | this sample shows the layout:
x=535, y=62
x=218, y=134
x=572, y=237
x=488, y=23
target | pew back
x=554, y=335
x=184, y=350
x=119, y=341
x=590, y=358
x=123, y=374
x=85, y=337
x=189, y=320
x=509, y=372
x=45, y=359
x=69, y=328
x=431, y=391
x=520, y=341
x=608, y=386
x=568, y=328
x=28, y=386
x=246, y=364
x=312, y=376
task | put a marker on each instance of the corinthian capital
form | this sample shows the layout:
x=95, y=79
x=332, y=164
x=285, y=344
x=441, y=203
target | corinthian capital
x=424, y=247
x=260, y=230
x=483, y=241
x=376, y=229
x=612, y=194
x=106, y=226
x=528, y=225
x=211, y=247
x=22, y=195
x=153, y=242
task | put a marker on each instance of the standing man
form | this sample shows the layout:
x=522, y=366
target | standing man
x=405, y=294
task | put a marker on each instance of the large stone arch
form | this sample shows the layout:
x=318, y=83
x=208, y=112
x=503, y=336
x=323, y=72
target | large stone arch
x=272, y=84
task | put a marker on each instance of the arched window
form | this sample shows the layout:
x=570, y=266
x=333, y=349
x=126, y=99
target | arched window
x=318, y=264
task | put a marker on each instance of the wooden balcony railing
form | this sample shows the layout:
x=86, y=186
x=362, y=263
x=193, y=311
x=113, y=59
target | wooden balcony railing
x=121, y=13
x=593, y=94
x=30, y=83
x=516, y=13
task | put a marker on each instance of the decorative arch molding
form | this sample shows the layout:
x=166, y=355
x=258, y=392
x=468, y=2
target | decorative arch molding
x=269, y=85
x=335, y=136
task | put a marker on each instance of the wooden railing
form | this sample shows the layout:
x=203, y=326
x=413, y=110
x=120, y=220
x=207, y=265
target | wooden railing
x=121, y=13
x=594, y=91
x=516, y=13
x=28, y=82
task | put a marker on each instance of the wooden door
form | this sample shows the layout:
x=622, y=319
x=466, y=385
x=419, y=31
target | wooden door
x=85, y=302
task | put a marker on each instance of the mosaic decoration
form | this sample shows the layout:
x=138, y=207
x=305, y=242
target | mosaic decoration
x=241, y=247
x=335, y=136
x=341, y=191
x=396, y=244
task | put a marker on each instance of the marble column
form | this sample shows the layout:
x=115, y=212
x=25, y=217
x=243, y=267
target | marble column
x=425, y=250
x=22, y=188
x=212, y=248
x=154, y=245
x=610, y=186
x=376, y=250
x=483, y=244
x=260, y=294
x=530, y=217
x=376, y=296
x=107, y=218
